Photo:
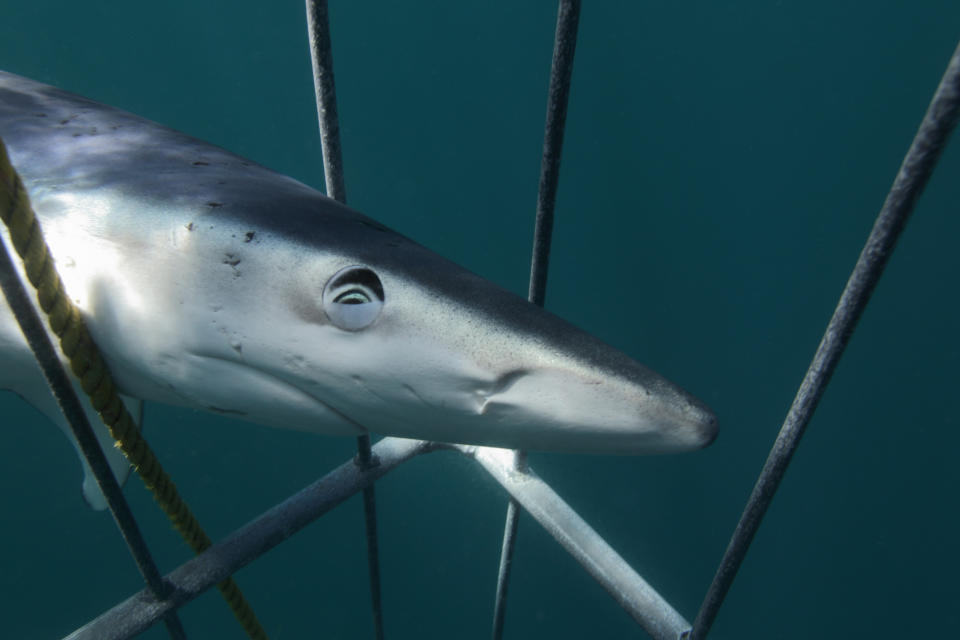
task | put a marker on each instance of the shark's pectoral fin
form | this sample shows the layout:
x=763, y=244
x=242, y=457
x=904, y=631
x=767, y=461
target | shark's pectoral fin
x=30, y=385
x=115, y=458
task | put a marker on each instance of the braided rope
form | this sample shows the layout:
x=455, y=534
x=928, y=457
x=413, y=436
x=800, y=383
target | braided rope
x=87, y=364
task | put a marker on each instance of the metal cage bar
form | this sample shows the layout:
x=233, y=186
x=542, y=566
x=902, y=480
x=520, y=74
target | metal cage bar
x=321, y=58
x=140, y=611
x=275, y=525
x=587, y=547
x=915, y=171
x=561, y=71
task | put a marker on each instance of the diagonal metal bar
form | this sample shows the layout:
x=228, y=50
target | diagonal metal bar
x=586, y=546
x=561, y=71
x=632, y=592
x=32, y=326
x=917, y=167
x=321, y=58
x=189, y=580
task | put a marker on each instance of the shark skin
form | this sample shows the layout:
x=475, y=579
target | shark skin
x=211, y=282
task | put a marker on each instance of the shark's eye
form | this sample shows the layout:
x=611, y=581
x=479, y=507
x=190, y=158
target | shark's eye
x=353, y=298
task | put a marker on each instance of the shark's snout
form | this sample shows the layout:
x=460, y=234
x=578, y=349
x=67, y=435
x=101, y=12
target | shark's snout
x=566, y=409
x=704, y=427
x=694, y=424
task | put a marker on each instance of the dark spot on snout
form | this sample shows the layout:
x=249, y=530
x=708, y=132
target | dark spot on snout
x=201, y=163
x=189, y=226
x=248, y=236
x=214, y=205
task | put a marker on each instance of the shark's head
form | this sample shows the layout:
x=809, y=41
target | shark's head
x=326, y=320
x=439, y=353
x=212, y=282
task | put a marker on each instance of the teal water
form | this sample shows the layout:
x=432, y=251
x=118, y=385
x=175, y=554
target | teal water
x=723, y=165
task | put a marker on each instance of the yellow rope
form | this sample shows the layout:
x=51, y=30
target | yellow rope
x=87, y=364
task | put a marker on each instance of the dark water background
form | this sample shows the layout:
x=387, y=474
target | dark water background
x=723, y=165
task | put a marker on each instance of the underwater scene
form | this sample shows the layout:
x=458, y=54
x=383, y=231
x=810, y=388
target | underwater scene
x=722, y=166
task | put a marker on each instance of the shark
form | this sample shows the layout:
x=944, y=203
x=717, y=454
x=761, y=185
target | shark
x=211, y=282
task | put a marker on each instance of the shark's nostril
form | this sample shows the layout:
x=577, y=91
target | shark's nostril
x=506, y=381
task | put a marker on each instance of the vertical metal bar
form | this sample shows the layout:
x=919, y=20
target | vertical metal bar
x=561, y=71
x=30, y=323
x=366, y=460
x=918, y=164
x=564, y=46
x=506, y=563
x=321, y=57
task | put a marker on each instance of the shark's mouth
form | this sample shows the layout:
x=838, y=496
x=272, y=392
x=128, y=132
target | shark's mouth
x=238, y=388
